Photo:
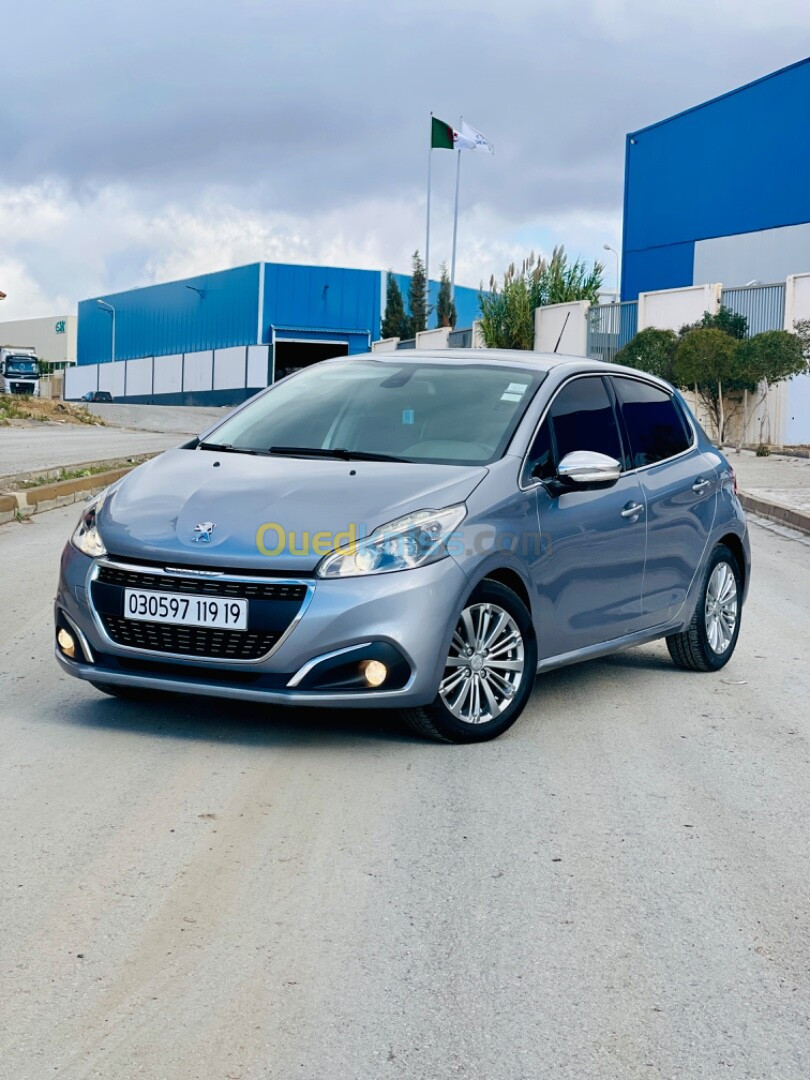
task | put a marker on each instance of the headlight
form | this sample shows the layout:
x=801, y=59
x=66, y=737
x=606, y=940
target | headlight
x=409, y=541
x=86, y=537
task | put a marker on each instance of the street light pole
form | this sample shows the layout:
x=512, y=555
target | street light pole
x=111, y=309
x=607, y=247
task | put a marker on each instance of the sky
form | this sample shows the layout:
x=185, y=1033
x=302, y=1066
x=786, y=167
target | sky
x=144, y=142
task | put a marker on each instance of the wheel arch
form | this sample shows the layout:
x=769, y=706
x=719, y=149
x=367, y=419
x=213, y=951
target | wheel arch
x=735, y=546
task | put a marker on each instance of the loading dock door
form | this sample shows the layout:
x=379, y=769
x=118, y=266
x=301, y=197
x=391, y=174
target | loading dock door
x=291, y=356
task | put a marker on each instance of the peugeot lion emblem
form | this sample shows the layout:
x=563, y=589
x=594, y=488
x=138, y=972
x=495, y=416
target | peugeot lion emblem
x=203, y=532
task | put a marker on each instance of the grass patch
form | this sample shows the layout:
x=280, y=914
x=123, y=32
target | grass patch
x=22, y=407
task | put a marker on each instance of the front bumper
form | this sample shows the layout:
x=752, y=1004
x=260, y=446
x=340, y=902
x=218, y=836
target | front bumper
x=410, y=614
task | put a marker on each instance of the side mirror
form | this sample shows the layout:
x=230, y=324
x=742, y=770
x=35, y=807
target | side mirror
x=584, y=468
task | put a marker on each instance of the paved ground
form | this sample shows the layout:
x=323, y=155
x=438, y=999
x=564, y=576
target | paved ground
x=617, y=889
x=776, y=478
x=50, y=446
x=183, y=419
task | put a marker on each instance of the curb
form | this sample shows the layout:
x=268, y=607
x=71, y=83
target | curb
x=796, y=519
x=17, y=504
x=9, y=482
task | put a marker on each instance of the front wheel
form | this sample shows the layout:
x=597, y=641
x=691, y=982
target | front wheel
x=711, y=637
x=489, y=671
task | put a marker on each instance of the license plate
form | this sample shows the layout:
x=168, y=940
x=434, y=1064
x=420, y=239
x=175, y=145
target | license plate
x=216, y=613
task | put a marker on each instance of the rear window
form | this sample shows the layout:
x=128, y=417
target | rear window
x=655, y=425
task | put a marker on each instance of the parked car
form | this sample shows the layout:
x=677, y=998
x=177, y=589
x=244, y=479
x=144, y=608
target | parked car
x=420, y=531
x=97, y=395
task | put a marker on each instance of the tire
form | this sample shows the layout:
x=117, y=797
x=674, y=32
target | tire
x=709, y=641
x=496, y=617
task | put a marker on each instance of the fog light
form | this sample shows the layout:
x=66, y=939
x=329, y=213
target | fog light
x=374, y=672
x=66, y=643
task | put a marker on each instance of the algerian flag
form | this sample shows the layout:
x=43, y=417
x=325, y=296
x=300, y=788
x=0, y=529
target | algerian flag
x=470, y=138
x=442, y=136
x=445, y=137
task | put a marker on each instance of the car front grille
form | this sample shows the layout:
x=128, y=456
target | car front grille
x=201, y=586
x=189, y=640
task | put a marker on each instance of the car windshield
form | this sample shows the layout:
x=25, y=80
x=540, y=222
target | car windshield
x=454, y=414
x=18, y=366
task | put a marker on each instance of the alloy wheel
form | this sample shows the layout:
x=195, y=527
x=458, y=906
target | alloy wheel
x=485, y=665
x=721, y=608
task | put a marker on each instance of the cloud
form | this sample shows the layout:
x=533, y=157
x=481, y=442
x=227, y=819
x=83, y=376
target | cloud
x=159, y=139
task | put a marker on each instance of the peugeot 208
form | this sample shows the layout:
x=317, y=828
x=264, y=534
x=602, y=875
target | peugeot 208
x=416, y=531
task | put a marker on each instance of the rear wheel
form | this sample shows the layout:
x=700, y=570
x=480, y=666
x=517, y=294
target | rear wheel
x=489, y=671
x=711, y=637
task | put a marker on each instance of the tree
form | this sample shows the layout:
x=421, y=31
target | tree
x=507, y=320
x=765, y=360
x=707, y=359
x=445, y=308
x=395, y=322
x=651, y=350
x=730, y=322
x=507, y=312
x=417, y=300
x=557, y=282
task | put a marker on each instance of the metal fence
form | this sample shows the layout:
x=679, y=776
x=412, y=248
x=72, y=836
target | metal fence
x=610, y=327
x=762, y=305
x=460, y=339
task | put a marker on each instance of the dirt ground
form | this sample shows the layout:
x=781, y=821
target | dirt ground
x=17, y=411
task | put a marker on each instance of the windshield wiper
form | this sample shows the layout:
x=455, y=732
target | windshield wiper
x=339, y=452
x=227, y=448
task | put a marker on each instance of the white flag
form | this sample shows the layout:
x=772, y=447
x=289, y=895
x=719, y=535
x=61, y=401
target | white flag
x=470, y=138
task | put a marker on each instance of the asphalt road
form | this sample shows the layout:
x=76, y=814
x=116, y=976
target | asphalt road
x=133, y=430
x=617, y=889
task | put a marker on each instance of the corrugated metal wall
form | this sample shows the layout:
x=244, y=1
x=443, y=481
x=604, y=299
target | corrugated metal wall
x=467, y=306
x=325, y=298
x=762, y=305
x=212, y=311
x=733, y=165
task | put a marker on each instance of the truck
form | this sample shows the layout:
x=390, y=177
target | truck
x=20, y=370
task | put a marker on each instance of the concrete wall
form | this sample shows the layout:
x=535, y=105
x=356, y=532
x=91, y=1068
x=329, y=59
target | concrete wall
x=570, y=320
x=795, y=401
x=670, y=309
x=433, y=339
x=53, y=337
x=217, y=376
x=388, y=344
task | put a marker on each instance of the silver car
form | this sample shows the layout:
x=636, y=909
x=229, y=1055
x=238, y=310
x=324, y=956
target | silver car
x=416, y=531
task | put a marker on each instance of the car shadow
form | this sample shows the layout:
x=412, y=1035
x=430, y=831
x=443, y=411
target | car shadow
x=209, y=719
x=244, y=723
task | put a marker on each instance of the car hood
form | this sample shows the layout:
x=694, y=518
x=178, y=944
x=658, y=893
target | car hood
x=279, y=504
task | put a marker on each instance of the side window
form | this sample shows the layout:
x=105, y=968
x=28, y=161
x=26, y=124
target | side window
x=654, y=424
x=541, y=459
x=583, y=419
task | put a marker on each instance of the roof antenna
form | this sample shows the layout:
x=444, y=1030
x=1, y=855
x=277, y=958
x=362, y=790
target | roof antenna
x=559, y=339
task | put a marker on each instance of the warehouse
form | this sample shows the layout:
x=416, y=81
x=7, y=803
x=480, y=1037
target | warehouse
x=721, y=192
x=218, y=338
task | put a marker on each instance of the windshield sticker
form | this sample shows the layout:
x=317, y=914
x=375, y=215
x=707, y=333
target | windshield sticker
x=407, y=416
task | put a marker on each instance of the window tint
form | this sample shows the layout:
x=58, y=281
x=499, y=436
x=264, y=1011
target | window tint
x=653, y=422
x=583, y=419
x=541, y=460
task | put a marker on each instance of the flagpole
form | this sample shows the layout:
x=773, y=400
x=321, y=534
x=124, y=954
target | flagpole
x=455, y=228
x=427, y=226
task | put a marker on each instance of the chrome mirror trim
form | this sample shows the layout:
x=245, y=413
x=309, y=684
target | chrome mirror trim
x=588, y=467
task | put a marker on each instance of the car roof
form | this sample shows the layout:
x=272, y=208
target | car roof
x=534, y=361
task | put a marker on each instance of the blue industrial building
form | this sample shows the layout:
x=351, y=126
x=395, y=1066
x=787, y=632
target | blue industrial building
x=721, y=192
x=302, y=313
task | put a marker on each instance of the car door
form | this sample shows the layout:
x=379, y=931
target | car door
x=680, y=486
x=589, y=569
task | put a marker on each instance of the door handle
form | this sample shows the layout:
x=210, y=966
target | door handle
x=700, y=485
x=632, y=510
